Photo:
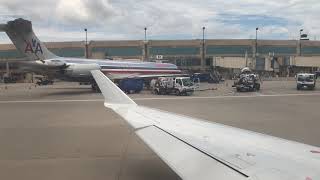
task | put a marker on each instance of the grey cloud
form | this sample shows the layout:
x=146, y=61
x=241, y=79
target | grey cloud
x=127, y=18
x=85, y=12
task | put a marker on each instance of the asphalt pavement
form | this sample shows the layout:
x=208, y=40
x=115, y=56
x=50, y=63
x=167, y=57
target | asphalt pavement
x=64, y=132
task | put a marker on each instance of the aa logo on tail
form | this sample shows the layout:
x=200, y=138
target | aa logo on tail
x=33, y=47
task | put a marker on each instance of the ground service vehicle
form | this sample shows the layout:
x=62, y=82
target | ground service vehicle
x=9, y=80
x=43, y=81
x=305, y=80
x=131, y=85
x=212, y=77
x=173, y=85
x=247, y=81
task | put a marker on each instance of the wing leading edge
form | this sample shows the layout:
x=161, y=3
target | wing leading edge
x=197, y=149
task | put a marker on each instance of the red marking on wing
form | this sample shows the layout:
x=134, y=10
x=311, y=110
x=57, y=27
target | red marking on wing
x=308, y=178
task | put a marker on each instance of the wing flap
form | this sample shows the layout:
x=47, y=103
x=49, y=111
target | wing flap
x=185, y=160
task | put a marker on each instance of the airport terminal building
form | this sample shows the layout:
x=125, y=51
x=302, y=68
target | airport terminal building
x=281, y=57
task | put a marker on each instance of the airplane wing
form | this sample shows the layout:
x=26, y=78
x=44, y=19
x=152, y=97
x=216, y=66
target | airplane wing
x=197, y=149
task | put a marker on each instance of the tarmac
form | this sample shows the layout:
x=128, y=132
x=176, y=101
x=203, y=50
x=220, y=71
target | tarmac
x=64, y=132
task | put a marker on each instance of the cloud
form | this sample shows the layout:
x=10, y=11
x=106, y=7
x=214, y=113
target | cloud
x=84, y=11
x=166, y=19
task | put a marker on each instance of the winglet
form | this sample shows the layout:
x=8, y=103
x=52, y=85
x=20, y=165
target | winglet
x=113, y=95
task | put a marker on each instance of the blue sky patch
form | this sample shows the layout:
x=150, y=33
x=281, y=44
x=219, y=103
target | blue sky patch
x=252, y=21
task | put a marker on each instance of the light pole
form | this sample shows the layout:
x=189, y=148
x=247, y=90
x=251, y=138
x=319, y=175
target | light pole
x=86, y=30
x=256, y=47
x=300, y=41
x=145, y=44
x=203, y=29
x=256, y=42
x=203, y=47
x=145, y=34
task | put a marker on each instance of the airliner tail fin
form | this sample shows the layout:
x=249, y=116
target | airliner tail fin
x=22, y=36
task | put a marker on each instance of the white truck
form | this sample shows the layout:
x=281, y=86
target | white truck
x=306, y=80
x=172, y=85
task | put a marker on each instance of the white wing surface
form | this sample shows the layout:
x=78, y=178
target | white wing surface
x=196, y=149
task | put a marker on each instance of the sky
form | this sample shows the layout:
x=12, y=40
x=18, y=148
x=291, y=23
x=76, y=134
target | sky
x=65, y=20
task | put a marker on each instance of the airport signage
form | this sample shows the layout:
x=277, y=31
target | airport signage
x=159, y=56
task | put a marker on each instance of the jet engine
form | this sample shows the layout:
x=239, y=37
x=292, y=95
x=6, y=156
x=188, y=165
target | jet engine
x=80, y=70
x=52, y=63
